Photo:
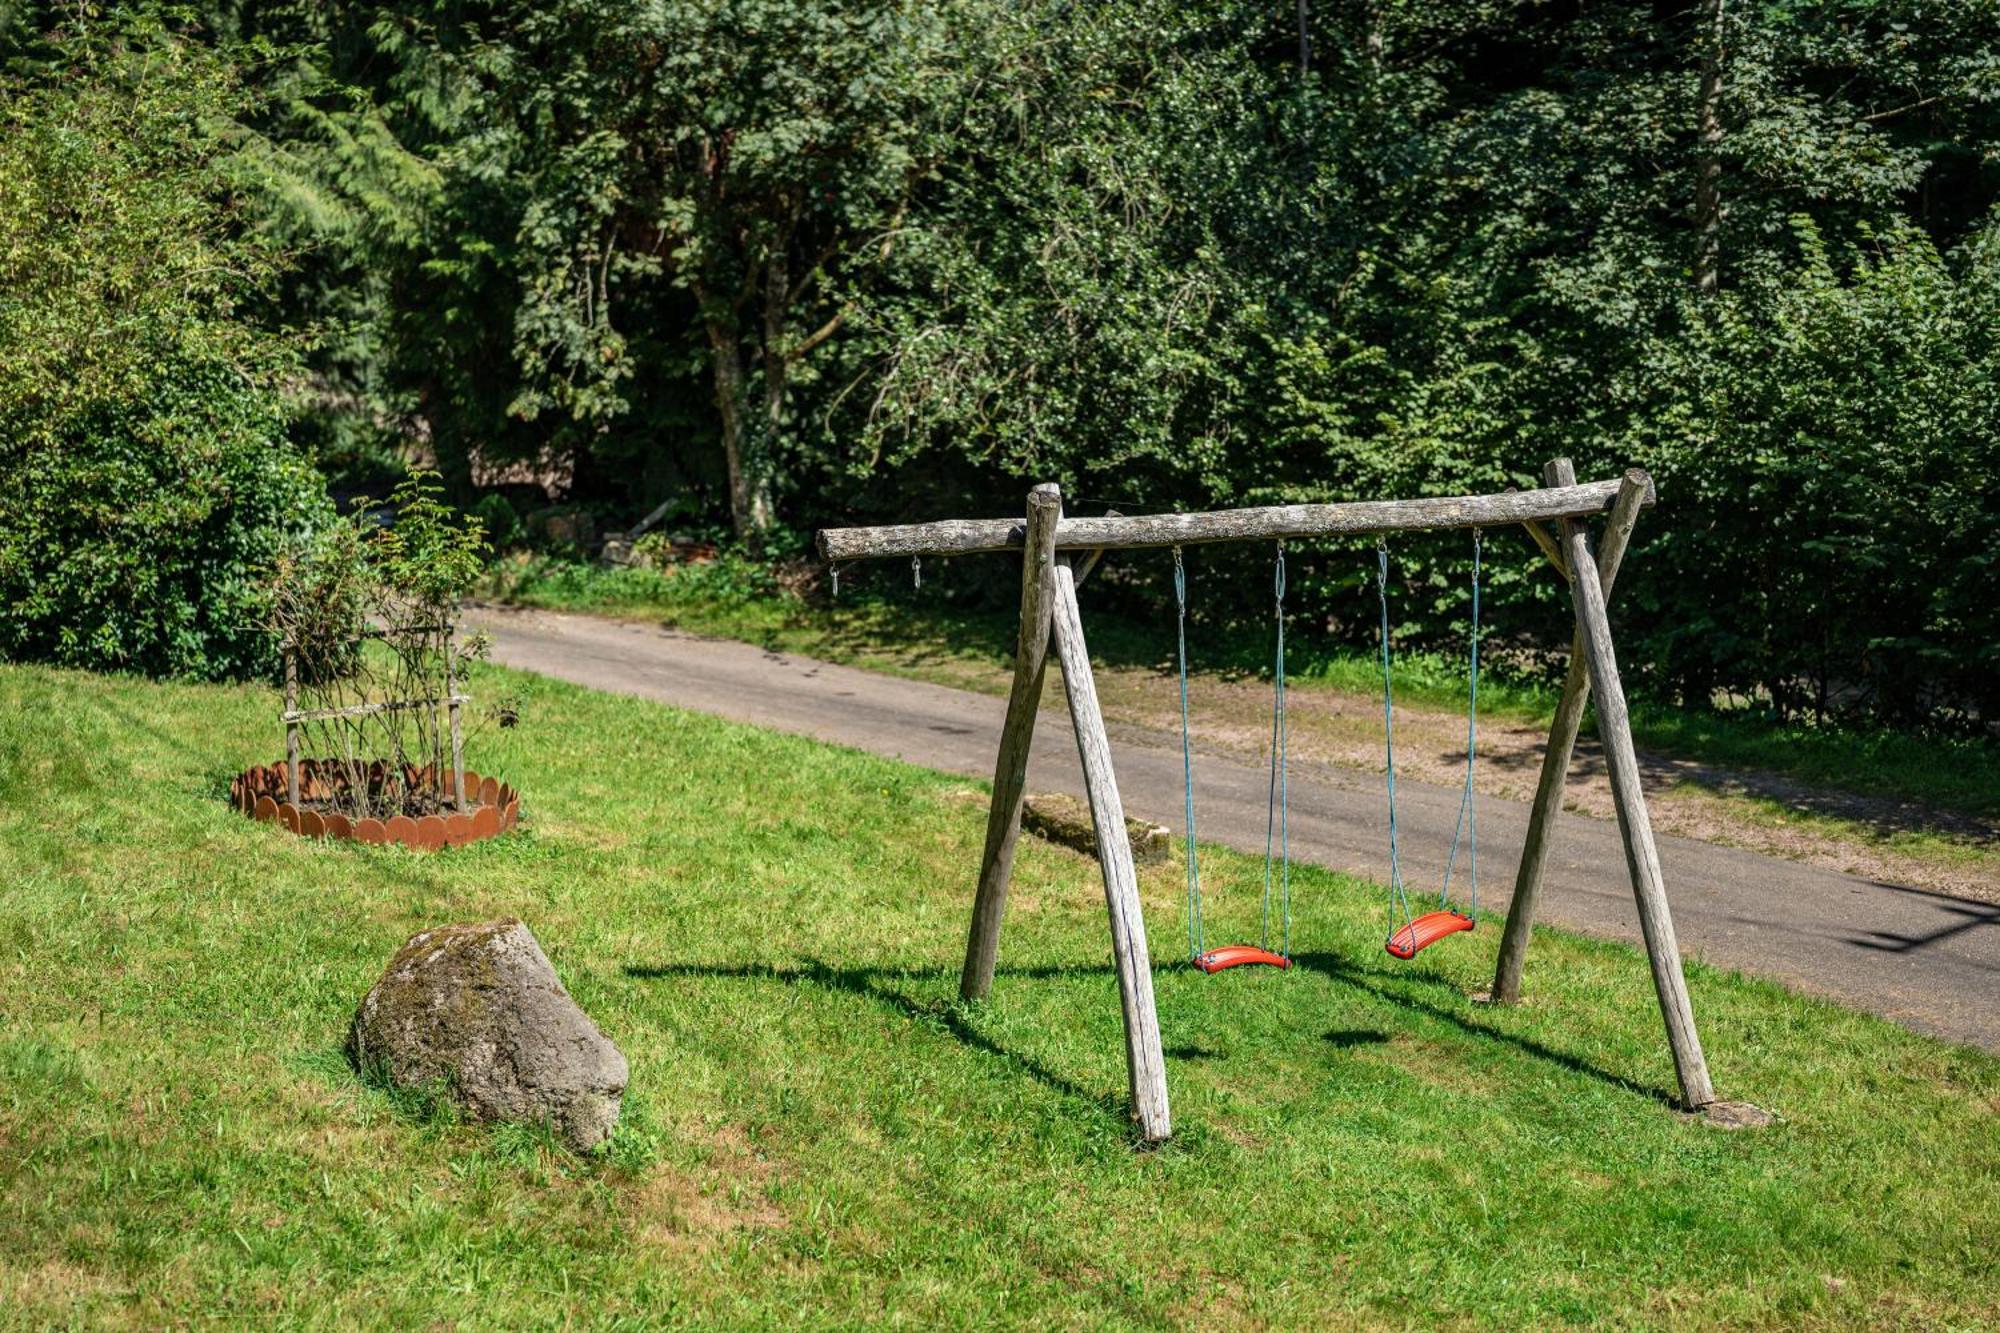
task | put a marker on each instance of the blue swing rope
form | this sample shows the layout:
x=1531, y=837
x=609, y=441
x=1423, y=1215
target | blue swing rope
x=1196, y=944
x=1399, y=899
x=1277, y=823
x=1467, y=823
x=1278, y=807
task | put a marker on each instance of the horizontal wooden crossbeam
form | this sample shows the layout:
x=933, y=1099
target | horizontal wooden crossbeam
x=290, y=716
x=977, y=536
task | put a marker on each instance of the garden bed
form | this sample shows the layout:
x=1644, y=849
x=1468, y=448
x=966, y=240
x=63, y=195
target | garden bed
x=366, y=803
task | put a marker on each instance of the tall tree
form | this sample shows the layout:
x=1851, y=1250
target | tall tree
x=1708, y=169
x=842, y=257
x=753, y=154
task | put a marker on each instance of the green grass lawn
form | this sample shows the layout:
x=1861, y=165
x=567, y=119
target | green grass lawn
x=817, y=1134
x=931, y=640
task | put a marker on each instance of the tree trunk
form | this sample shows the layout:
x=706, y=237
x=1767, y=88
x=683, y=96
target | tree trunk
x=749, y=483
x=746, y=516
x=777, y=371
x=1708, y=169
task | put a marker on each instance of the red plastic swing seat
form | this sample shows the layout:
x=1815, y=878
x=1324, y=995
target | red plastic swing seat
x=1238, y=955
x=1425, y=931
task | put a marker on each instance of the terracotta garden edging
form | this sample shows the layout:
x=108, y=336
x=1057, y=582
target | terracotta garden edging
x=261, y=793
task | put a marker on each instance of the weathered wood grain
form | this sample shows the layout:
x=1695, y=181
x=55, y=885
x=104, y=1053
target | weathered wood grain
x=972, y=536
x=1549, y=547
x=1017, y=734
x=1144, y=1061
x=1562, y=743
x=1642, y=855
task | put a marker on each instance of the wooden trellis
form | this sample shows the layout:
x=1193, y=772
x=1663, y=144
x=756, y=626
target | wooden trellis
x=1055, y=553
x=294, y=717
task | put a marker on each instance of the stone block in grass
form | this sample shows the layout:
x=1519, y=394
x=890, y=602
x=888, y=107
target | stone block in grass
x=477, y=1011
x=1065, y=821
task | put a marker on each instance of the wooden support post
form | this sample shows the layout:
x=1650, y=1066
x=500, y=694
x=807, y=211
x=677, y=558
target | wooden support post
x=451, y=711
x=291, y=725
x=1562, y=740
x=1017, y=734
x=1144, y=1060
x=1548, y=545
x=1642, y=855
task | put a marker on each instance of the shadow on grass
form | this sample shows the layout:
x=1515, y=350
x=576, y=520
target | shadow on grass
x=874, y=985
x=877, y=985
x=1397, y=988
x=133, y=719
x=1346, y=1039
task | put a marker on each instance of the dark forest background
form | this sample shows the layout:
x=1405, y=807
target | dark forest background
x=783, y=263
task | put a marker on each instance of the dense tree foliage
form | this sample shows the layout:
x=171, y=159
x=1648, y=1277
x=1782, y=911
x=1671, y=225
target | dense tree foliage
x=784, y=264
x=146, y=479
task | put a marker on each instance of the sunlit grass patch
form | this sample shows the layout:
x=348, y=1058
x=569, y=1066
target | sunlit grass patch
x=818, y=1131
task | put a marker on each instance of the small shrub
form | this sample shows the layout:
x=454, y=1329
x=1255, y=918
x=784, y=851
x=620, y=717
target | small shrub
x=367, y=616
x=504, y=528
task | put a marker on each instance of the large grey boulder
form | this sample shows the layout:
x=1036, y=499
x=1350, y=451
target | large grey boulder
x=478, y=1009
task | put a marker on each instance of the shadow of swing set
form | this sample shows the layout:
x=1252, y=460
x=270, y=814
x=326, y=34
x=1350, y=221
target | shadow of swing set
x=1058, y=552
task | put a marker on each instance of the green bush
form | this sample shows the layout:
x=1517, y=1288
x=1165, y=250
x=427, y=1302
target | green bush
x=1835, y=530
x=146, y=482
x=502, y=522
x=137, y=536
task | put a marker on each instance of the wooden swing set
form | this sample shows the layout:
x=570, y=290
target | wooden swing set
x=1057, y=554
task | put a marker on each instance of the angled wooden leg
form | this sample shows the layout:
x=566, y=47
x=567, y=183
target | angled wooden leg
x=1642, y=855
x=1144, y=1062
x=1562, y=740
x=1017, y=734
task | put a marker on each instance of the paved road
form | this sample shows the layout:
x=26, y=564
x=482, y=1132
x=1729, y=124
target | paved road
x=1924, y=959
